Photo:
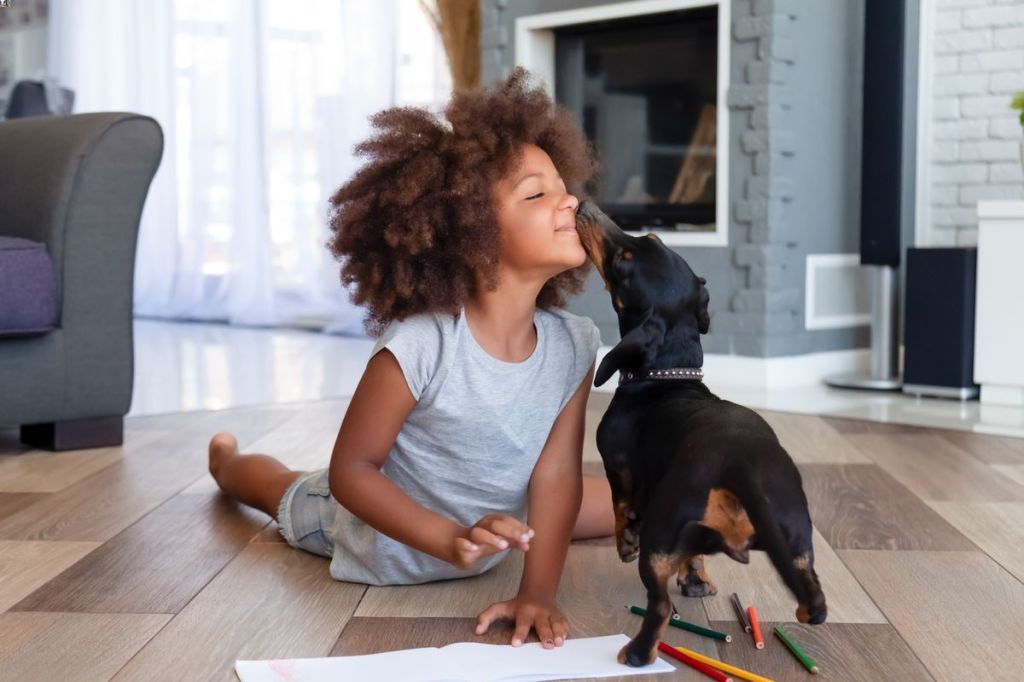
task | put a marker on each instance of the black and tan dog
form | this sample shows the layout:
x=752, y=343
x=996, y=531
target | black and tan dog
x=691, y=474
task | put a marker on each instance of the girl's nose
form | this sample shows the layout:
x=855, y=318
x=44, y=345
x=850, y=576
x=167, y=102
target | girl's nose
x=571, y=202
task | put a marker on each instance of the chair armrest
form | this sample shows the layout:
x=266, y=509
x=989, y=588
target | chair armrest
x=78, y=184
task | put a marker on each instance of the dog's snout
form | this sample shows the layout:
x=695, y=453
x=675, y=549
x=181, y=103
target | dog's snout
x=590, y=213
x=584, y=210
x=590, y=210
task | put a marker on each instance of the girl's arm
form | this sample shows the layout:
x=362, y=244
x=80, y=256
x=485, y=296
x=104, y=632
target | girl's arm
x=556, y=490
x=380, y=405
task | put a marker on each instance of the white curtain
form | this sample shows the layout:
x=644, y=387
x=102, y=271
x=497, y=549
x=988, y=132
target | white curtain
x=261, y=104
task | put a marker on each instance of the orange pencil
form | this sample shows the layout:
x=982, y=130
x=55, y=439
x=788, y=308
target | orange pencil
x=755, y=627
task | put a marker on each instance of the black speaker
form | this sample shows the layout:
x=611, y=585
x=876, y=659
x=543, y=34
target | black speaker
x=939, y=331
x=881, y=157
x=881, y=187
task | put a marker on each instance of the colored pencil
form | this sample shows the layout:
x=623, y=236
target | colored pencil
x=808, y=662
x=740, y=612
x=755, y=627
x=678, y=622
x=693, y=663
x=724, y=667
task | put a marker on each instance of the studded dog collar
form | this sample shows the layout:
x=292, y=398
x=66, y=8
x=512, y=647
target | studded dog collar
x=677, y=373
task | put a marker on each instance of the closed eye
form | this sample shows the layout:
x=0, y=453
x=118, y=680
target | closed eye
x=535, y=196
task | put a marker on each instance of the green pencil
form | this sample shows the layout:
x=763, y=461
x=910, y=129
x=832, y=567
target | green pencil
x=678, y=622
x=808, y=662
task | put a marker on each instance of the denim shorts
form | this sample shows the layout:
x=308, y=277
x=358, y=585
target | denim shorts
x=306, y=513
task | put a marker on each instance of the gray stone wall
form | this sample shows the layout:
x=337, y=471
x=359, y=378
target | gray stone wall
x=794, y=120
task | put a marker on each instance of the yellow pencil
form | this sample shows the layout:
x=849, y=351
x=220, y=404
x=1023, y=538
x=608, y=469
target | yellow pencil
x=724, y=667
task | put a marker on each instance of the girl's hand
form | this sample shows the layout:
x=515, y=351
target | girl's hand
x=551, y=626
x=492, y=534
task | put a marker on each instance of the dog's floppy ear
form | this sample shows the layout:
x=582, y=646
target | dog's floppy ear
x=638, y=346
x=703, y=318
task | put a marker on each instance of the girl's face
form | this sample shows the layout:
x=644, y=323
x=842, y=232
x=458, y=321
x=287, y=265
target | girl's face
x=538, y=218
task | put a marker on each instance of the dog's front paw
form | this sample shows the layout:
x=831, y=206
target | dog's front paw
x=693, y=580
x=635, y=656
x=696, y=587
x=629, y=543
x=627, y=555
x=627, y=531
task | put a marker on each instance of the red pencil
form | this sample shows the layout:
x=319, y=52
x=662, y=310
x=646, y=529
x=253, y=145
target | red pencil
x=756, y=627
x=693, y=663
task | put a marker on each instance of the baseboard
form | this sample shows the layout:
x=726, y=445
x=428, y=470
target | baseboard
x=780, y=372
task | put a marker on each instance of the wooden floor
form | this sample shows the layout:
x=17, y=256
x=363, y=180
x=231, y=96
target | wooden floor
x=125, y=563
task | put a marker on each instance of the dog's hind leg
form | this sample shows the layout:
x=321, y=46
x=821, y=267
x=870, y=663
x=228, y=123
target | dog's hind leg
x=789, y=552
x=655, y=571
x=799, y=534
x=815, y=610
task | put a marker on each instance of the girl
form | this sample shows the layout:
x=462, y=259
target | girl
x=463, y=439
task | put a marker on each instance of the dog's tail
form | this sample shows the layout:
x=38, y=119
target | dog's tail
x=748, y=491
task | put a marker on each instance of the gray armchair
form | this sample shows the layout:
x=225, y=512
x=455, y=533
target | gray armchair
x=74, y=186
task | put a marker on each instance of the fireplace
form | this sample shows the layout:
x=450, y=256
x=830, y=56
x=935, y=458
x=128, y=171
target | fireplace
x=647, y=80
x=787, y=179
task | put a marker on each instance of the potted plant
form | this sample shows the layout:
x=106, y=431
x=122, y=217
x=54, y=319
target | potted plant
x=1018, y=103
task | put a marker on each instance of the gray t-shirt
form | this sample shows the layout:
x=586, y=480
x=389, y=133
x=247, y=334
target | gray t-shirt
x=470, y=444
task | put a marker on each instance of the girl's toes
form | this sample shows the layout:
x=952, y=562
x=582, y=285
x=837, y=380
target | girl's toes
x=221, y=445
x=224, y=443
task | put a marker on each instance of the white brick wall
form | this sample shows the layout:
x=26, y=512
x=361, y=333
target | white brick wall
x=977, y=63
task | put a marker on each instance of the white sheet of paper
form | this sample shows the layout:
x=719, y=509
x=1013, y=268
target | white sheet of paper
x=460, y=662
x=409, y=664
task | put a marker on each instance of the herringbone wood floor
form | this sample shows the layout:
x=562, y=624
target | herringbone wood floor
x=126, y=563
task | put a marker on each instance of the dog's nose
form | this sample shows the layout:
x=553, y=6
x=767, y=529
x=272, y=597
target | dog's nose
x=591, y=212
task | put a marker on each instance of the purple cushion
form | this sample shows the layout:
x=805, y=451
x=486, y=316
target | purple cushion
x=28, y=292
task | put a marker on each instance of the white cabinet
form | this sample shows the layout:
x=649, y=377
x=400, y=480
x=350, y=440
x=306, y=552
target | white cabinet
x=999, y=310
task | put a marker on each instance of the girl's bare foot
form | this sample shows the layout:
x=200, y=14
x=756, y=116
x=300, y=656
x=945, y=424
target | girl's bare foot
x=222, y=446
x=253, y=479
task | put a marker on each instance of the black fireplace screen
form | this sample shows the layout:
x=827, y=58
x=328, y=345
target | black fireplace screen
x=645, y=90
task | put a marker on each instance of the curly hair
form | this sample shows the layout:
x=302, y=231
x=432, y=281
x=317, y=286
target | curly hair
x=417, y=224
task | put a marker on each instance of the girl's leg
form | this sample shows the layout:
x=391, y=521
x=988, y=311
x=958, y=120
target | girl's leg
x=596, y=518
x=256, y=480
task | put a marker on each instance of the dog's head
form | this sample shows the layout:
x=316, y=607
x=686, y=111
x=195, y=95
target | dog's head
x=661, y=304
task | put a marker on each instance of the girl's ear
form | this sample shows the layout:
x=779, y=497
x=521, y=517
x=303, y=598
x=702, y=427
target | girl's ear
x=637, y=348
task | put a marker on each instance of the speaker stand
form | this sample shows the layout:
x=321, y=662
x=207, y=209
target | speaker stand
x=884, y=359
